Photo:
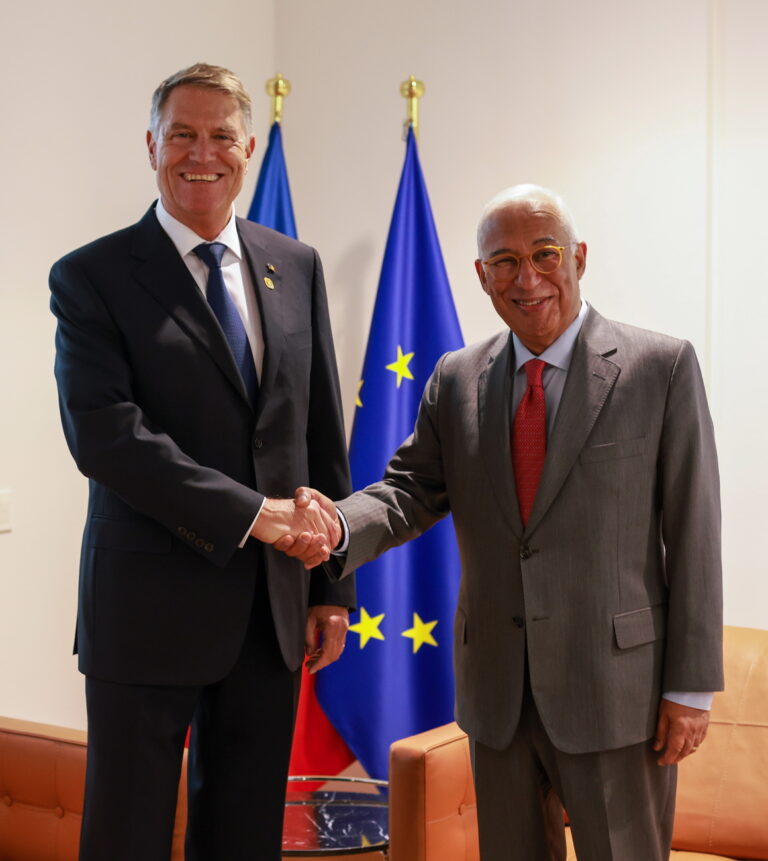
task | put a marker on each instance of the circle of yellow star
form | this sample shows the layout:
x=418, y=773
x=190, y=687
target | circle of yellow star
x=421, y=633
x=367, y=627
x=400, y=367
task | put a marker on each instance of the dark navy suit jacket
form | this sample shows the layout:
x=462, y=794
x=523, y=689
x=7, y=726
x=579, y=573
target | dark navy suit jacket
x=179, y=461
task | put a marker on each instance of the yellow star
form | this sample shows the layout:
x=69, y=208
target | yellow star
x=364, y=841
x=400, y=367
x=420, y=633
x=367, y=627
x=358, y=402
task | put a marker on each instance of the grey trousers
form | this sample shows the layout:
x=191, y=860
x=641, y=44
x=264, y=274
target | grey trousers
x=620, y=803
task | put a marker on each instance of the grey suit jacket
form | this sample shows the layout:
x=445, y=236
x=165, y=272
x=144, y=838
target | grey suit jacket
x=614, y=587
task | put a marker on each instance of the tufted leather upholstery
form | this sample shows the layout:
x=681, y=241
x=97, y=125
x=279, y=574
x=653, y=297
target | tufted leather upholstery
x=722, y=799
x=42, y=777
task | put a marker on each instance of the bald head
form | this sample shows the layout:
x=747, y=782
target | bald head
x=534, y=198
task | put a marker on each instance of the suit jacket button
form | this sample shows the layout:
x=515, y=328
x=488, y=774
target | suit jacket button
x=59, y=811
x=258, y=442
x=209, y=547
x=519, y=621
x=199, y=542
x=182, y=530
x=525, y=552
x=191, y=536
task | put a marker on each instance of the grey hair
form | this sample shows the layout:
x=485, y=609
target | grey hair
x=535, y=194
x=201, y=75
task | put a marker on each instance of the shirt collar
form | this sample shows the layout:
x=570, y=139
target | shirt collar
x=558, y=353
x=185, y=239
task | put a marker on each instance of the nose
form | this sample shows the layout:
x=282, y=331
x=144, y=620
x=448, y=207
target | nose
x=202, y=149
x=527, y=277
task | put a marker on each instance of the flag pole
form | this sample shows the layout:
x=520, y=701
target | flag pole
x=412, y=90
x=278, y=87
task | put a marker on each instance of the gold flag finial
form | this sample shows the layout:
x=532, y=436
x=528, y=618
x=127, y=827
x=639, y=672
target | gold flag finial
x=278, y=87
x=412, y=90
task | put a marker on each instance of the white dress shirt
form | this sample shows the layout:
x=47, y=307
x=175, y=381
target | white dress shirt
x=237, y=280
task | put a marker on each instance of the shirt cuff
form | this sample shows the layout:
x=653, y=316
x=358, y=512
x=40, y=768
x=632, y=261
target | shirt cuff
x=692, y=699
x=343, y=545
x=250, y=528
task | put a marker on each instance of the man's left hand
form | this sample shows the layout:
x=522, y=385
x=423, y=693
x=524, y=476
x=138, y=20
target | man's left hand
x=679, y=731
x=325, y=634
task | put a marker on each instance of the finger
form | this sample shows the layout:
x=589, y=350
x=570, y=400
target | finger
x=284, y=543
x=302, y=497
x=676, y=744
x=302, y=543
x=662, y=728
x=310, y=636
x=322, y=659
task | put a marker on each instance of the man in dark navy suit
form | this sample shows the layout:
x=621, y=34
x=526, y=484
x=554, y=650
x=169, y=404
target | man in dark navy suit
x=198, y=388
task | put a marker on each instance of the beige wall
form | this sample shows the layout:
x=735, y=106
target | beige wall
x=75, y=103
x=644, y=116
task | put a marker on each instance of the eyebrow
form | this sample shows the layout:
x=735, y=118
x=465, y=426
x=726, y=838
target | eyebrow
x=178, y=124
x=544, y=240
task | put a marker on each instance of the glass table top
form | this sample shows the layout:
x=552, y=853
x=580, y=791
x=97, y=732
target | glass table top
x=335, y=816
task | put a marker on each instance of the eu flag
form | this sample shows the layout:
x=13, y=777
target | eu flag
x=271, y=205
x=396, y=677
x=317, y=747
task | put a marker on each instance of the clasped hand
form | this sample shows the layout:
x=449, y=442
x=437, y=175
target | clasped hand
x=306, y=527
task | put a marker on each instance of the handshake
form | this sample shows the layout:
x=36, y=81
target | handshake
x=306, y=527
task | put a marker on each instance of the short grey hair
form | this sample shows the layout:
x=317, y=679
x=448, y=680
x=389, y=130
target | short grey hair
x=535, y=194
x=201, y=75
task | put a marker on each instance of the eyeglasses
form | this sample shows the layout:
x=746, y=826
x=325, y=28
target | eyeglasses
x=504, y=267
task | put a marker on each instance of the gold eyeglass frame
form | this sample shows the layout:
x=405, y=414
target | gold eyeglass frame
x=491, y=261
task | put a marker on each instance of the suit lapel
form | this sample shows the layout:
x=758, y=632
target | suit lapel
x=164, y=274
x=591, y=377
x=266, y=269
x=493, y=400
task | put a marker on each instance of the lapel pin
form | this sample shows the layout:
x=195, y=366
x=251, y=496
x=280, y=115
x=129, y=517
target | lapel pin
x=269, y=283
x=271, y=268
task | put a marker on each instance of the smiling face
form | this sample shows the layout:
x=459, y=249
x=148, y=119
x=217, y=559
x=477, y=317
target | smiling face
x=200, y=151
x=537, y=307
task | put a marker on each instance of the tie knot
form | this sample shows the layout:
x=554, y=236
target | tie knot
x=211, y=253
x=534, y=368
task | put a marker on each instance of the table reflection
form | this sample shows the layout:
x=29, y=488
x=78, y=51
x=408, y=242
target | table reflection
x=335, y=816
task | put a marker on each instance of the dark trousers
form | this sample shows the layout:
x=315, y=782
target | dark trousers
x=620, y=803
x=238, y=760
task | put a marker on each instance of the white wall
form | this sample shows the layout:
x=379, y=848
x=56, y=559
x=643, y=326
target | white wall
x=644, y=116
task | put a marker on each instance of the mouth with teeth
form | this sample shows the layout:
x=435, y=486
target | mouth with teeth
x=200, y=177
x=530, y=303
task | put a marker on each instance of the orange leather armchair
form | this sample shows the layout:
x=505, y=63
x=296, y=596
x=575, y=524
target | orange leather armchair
x=722, y=799
x=42, y=777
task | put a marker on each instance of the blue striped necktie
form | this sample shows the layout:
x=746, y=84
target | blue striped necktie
x=228, y=316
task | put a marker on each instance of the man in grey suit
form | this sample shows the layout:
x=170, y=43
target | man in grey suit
x=587, y=637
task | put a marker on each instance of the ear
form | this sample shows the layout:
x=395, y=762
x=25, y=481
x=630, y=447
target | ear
x=249, y=148
x=580, y=256
x=481, y=275
x=152, y=147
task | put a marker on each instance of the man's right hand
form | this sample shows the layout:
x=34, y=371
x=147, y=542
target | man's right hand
x=303, y=523
x=304, y=546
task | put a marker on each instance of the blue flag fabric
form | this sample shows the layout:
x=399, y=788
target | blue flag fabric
x=396, y=676
x=271, y=205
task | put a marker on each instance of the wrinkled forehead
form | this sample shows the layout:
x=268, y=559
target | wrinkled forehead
x=517, y=225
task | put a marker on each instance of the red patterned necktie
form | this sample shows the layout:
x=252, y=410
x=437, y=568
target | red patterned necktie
x=529, y=438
